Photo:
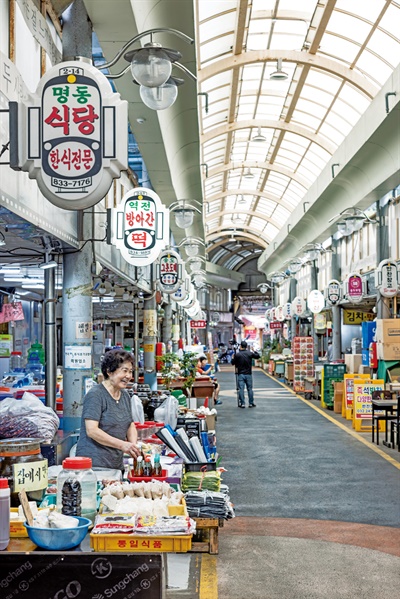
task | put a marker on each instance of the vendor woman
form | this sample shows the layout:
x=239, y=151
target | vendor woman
x=107, y=430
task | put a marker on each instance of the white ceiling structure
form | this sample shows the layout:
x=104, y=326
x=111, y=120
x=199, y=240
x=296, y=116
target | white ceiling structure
x=337, y=54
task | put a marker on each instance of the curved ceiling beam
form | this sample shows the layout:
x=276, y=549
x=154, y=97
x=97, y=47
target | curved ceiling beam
x=217, y=244
x=263, y=165
x=248, y=213
x=248, y=192
x=319, y=140
x=240, y=264
x=229, y=254
x=302, y=58
x=215, y=234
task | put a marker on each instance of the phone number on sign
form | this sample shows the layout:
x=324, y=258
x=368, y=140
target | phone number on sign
x=71, y=183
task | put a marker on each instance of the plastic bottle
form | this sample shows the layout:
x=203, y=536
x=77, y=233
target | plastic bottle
x=147, y=467
x=4, y=514
x=77, y=488
x=157, y=469
x=139, y=467
x=16, y=361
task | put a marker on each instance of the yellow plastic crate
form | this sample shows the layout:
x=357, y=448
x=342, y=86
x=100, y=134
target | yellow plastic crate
x=140, y=543
x=17, y=528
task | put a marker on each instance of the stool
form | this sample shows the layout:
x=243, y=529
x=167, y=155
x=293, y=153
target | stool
x=395, y=429
x=377, y=397
x=205, y=540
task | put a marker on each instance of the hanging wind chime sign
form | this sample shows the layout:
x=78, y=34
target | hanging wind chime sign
x=387, y=278
x=74, y=136
x=169, y=271
x=139, y=226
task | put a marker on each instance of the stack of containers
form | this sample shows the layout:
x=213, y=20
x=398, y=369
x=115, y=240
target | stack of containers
x=368, y=330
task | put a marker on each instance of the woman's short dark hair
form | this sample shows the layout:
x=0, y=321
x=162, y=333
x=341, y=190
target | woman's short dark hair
x=201, y=358
x=113, y=359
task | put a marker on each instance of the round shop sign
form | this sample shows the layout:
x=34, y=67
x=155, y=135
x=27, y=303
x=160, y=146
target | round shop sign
x=333, y=292
x=298, y=306
x=169, y=271
x=268, y=314
x=279, y=315
x=273, y=314
x=386, y=278
x=354, y=288
x=287, y=311
x=315, y=301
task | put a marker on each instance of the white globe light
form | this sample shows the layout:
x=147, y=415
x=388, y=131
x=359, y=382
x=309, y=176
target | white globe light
x=195, y=265
x=191, y=249
x=151, y=67
x=184, y=217
x=159, y=98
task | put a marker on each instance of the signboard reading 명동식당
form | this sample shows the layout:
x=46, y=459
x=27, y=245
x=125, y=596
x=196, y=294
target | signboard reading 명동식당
x=74, y=135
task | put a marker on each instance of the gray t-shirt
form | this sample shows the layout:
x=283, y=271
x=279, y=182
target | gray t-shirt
x=113, y=418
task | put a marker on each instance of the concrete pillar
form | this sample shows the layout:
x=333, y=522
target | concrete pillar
x=136, y=339
x=336, y=310
x=382, y=253
x=50, y=343
x=167, y=324
x=182, y=325
x=77, y=316
x=175, y=331
x=314, y=285
x=292, y=295
x=149, y=341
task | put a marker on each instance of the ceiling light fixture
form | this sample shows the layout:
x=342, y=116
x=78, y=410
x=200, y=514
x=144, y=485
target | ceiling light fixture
x=112, y=292
x=278, y=75
x=353, y=219
x=126, y=295
x=48, y=264
x=241, y=200
x=184, y=211
x=248, y=174
x=259, y=136
x=102, y=289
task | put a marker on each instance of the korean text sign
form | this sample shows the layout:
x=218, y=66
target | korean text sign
x=76, y=136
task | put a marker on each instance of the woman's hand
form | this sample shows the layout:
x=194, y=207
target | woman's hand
x=130, y=448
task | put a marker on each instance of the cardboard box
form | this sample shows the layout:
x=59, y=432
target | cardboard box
x=388, y=330
x=337, y=404
x=388, y=351
x=211, y=420
x=353, y=362
x=338, y=387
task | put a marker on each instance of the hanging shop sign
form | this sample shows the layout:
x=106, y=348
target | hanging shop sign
x=275, y=325
x=11, y=312
x=357, y=317
x=298, y=306
x=333, y=292
x=354, y=288
x=169, y=271
x=268, y=314
x=215, y=317
x=287, y=311
x=273, y=314
x=74, y=136
x=315, y=301
x=387, y=278
x=139, y=226
x=198, y=324
x=320, y=321
x=279, y=315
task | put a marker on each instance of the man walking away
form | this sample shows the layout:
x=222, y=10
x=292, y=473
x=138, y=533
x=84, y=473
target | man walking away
x=242, y=361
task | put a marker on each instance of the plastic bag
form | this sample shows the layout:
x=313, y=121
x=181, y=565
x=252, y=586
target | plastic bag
x=168, y=412
x=27, y=417
x=137, y=409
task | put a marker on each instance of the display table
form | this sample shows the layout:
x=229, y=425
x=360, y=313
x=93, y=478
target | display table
x=387, y=405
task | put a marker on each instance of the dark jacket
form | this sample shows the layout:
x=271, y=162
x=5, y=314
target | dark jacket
x=242, y=360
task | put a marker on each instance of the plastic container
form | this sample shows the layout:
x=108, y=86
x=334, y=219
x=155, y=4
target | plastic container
x=136, y=479
x=4, y=514
x=59, y=539
x=16, y=361
x=77, y=488
x=140, y=543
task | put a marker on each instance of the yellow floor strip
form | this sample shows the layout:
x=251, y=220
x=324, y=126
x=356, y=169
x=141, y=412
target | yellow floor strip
x=339, y=424
x=208, y=577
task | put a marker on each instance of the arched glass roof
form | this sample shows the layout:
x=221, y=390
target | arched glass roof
x=336, y=54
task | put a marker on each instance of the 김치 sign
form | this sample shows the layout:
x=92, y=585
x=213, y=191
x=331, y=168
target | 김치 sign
x=140, y=226
x=75, y=140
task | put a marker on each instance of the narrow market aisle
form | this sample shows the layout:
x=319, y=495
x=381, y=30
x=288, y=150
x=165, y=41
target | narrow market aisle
x=318, y=512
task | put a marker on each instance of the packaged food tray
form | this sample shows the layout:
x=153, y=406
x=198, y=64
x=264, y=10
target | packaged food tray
x=147, y=479
x=141, y=543
x=173, y=510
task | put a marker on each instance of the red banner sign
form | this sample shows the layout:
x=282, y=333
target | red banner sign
x=275, y=325
x=198, y=324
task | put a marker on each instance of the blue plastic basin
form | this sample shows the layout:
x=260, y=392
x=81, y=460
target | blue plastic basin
x=59, y=539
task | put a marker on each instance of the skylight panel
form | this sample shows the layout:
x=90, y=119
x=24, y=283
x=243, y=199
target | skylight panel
x=338, y=48
x=218, y=47
x=310, y=107
x=211, y=162
x=220, y=25
x=315, y=94
x=368, y=10
x=216, y=81
x=338, y=123
x=354, y=97
x=298, y=140
x=266, y=206
x=332, y=134
x=307, y=172
x=281, y=212
x=258, y=223
x=218, y=94
x=209, y=9
x=348, y=26
x=301, y=118
x=285, y=162
x=374, y=67
x=212, y=120
x=352, y=112
x=319, y=79
x=385, y=46
x=390, y=21
x=317, y=155
x=259, y=26
x=271, y=231
x=252, y=72
x=282, y=41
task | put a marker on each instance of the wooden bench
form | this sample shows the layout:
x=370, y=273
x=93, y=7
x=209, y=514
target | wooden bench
x=205, y=540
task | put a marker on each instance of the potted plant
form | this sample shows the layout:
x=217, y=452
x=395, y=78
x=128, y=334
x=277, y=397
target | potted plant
x=188, y=363
x=170, y=367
